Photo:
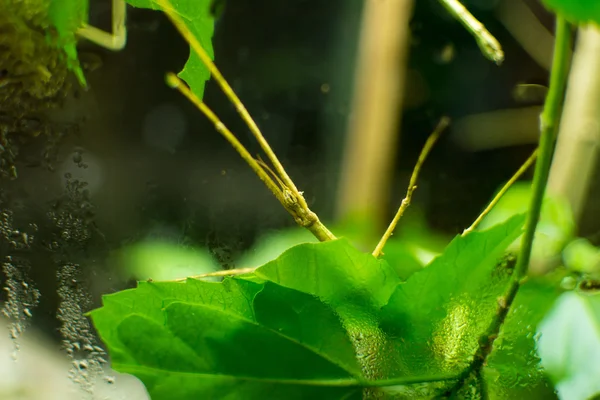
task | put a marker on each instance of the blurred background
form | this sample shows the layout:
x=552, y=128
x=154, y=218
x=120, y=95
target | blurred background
x=134, y=183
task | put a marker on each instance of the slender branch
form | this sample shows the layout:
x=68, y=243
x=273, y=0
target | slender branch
x=502, y=192
x=292, y=199
x=233, y=98
x=176, y=83
x=548, y=127
x=490, y=47
x=316, y=226
x=412, y=185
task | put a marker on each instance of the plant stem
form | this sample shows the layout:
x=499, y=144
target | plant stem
x=315, y=226
x=549, y=122
x=412, y=185
x=502, y=192
x=485, y=40
x=548, y=127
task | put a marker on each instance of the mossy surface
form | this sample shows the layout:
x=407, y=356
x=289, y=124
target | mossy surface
x=33, y=72
x=34, y=76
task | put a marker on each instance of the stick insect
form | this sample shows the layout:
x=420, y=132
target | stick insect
x=114, y=40
x=487, y=43
x=117, y=39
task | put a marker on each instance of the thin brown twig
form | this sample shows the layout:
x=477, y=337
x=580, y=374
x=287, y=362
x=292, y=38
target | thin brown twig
x=285, y=197
x=176, y=83
x=235, y=100
x=442, y=125
x=270, y=171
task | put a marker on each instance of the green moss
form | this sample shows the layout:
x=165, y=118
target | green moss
x=33, y=78
x=33, y=73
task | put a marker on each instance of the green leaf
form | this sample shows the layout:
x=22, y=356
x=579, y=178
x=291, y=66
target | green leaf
x=336, y=272
x=233, y=340
x=576, y=11
x=436, y=318
x=67, y=16
x=569, y=345
x=199, y=20
x=513, y=369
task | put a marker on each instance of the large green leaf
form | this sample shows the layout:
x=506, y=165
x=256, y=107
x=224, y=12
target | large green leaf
x=569, y=345
x=513, y=369
x=199, y=20
x=436, y=318
x=576, y=11
x=231, y=340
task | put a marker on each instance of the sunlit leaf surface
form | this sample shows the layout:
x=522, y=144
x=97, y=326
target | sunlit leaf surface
x=437, y=317
x=236, y=339
x=314, y=323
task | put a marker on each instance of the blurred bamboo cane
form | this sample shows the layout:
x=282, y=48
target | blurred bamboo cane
x=370, y=146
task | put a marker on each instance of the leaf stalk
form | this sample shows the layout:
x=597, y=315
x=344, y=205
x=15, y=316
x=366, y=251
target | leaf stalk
x=548, y=127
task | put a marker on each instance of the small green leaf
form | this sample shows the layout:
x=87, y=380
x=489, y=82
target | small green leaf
x=232, y=340
x=67, y=16
x=569, y=345
x=199, y=20
x=576, y=11
x=513, y=369
x=436, y=318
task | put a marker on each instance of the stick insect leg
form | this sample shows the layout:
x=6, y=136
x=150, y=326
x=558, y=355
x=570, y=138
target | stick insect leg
x=487, y=43
x=113, y=41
